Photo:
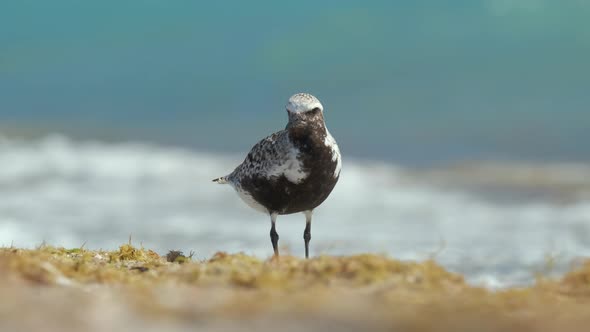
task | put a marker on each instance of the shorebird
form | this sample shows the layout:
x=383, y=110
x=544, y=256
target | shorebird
x=293, y=170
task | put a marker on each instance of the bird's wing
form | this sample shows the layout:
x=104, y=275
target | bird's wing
x=272, y=157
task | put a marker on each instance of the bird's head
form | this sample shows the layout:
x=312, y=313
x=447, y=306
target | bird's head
x=304, y=107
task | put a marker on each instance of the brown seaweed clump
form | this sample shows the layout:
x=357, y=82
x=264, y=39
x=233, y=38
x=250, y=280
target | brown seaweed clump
x=135, y=289
x=176, y=256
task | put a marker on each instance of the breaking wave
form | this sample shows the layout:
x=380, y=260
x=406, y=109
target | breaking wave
x=495, y=222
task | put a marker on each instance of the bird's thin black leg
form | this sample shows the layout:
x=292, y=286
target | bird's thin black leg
x=307, y=232
x=274, y=236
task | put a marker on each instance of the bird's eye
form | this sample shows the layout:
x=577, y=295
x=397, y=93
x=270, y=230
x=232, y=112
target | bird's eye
x=317, y=109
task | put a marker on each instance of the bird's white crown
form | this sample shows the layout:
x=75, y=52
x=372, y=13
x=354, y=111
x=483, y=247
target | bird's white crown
x=303, y=102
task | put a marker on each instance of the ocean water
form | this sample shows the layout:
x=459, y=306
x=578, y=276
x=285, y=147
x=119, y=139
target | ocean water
x=499, y=224
x=402, y=81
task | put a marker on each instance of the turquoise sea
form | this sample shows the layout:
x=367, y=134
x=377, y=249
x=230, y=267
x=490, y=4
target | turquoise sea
x=407, y=81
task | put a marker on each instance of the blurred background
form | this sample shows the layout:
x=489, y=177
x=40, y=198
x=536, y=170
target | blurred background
x=464, y=126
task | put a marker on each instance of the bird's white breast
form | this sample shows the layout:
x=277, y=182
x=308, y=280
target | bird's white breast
x=330, y=142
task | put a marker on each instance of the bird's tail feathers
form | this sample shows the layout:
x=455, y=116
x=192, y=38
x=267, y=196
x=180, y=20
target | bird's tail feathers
x=221, y=180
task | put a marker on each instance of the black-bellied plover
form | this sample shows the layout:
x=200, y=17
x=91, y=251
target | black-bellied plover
x=293, y=170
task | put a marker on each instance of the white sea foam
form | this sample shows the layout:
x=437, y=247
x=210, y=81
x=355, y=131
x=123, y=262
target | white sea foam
x=68, y=193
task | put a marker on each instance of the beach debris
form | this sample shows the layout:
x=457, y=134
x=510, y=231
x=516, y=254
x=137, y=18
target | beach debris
x=176, y=256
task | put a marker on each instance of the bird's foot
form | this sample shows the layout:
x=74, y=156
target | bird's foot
x=275, y=259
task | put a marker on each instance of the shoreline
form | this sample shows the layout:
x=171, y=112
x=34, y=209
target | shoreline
x=135, y=289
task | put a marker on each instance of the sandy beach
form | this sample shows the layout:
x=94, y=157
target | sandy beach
x=134, y=289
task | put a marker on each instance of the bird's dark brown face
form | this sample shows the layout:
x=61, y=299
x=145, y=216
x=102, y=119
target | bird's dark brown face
x=304, y=109
x=314, y=115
